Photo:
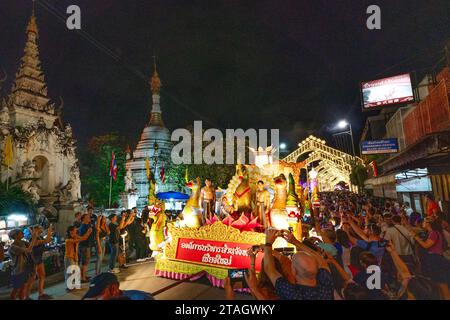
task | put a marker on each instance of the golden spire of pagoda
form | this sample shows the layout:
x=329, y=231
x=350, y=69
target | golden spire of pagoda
x=32, y=26
x=155, y=82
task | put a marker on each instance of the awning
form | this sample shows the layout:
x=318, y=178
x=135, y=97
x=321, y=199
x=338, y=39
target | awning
x=390, y=178
x=432, y=151
x=172, y=195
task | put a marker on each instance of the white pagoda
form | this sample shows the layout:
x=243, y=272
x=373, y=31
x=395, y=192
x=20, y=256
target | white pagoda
x=155, y=145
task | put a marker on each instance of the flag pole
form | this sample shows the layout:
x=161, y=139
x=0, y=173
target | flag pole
x=110, y=189
x=7, y=178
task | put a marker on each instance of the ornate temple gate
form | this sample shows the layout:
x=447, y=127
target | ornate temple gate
x=334, y=165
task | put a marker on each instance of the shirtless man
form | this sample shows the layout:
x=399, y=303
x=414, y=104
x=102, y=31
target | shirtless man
x=262, y=203
x=208, y=199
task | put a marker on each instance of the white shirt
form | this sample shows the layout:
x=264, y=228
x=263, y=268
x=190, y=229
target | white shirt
x=409, y=211
x=402, y=243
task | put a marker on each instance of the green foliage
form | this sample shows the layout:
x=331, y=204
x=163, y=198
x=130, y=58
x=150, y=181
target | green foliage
x=219, y=174
x=95, y=164
x=15, y=200
x=358, y=175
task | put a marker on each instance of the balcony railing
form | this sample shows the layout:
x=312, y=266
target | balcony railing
x=432, y=114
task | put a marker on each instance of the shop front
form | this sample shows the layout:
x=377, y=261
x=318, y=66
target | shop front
x=410, y=187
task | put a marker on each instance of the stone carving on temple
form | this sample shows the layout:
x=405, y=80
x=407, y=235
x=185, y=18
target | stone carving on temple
x=65, y=193
x=27, y=180
x=76, y=183
x=130, y=186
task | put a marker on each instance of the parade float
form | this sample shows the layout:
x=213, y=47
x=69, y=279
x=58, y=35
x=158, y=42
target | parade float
x=257, y=197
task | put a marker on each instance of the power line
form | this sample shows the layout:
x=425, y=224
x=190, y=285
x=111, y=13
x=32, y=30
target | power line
x=104, y=48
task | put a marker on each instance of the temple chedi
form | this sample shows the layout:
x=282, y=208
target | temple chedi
x=154, y=145
x=44, y=159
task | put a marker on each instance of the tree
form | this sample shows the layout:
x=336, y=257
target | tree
x=358, y=175
x=220, y=174
x=15, y=200
x=95, y=166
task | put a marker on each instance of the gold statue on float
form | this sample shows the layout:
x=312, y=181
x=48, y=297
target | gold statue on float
x=278, y=213
x=158, y=215
x=242, y=198
x=192, y=213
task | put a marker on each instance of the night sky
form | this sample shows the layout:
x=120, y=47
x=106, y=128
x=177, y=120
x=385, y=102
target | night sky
x=292, y=65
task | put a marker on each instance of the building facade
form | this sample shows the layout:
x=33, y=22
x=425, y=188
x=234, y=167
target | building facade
x=44, y=158
x=152, y=152
x=422, y=163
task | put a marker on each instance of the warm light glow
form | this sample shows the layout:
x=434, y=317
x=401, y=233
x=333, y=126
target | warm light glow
x=17, y=217
x=342, y=124
x=313, y=174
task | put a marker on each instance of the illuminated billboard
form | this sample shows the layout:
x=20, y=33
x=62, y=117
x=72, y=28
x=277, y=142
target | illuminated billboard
x=387, y=91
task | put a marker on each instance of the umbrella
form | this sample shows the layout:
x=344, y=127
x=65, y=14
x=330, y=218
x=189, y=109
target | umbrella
x=172, y=195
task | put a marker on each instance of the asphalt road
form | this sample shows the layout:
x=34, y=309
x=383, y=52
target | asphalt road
x=141, y=277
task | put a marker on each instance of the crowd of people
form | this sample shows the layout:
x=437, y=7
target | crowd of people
x=353, y=247
x=356, y=248
x=124, y=236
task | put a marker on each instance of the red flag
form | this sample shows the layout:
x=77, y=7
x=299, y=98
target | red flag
x=113, y=167
x=161, y=174
x=374, y=167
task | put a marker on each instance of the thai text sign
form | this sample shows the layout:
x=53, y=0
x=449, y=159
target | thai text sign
x=387, y=91
x=379, y=146
x=228, y=255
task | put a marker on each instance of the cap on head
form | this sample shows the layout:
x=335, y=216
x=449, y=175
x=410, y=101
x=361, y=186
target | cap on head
x=13, y=233
x=100, y=283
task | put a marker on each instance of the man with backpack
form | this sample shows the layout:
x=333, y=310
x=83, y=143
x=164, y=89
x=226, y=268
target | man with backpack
x=402, y=241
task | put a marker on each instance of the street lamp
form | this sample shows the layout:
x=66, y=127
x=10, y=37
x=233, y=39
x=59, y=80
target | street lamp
x=313, y=174
x=342, y=125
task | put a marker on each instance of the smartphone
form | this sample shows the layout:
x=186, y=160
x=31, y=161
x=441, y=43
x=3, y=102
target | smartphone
x=256, y=248
x=382, y=243
x=288, y=251
x=237, y=276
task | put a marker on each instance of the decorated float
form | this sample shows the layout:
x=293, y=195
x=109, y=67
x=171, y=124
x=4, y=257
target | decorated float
x=257, y=197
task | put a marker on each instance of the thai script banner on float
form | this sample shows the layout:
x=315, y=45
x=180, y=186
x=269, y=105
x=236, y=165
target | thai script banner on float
x=230, y=255
x=379, y=146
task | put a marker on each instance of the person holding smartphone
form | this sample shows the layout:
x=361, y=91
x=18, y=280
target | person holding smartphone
x=313, y=280
x=370, y=238
x=37, y=254
x=20, y=253
x=71, y=252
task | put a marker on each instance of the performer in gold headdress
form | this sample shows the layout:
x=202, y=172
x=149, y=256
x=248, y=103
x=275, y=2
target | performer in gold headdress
x=262, y=203
x=208, y=199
